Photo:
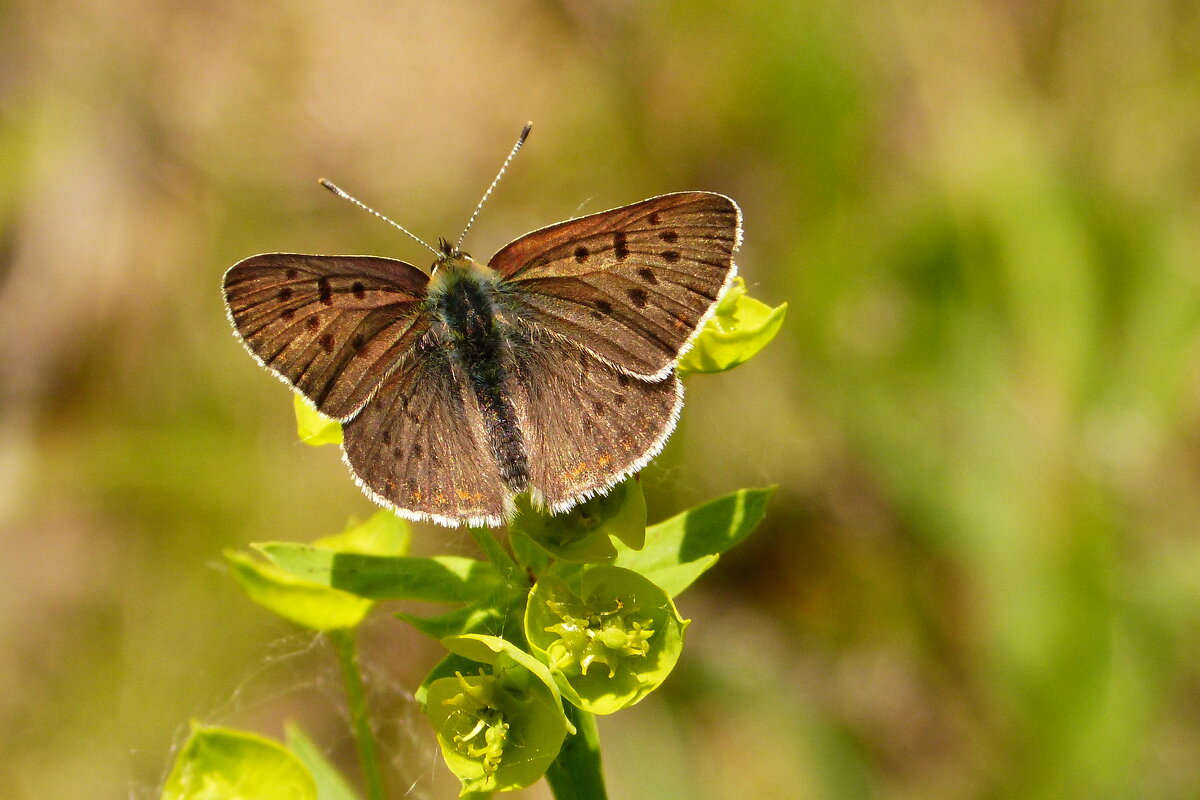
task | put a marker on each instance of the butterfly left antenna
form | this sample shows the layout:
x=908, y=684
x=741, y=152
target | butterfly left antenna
x=520, y=141
x=328, y=185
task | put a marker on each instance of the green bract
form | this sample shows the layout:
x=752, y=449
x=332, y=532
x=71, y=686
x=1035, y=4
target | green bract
x=583, y=534
x=219, y=764
x=497, y=731
x=295, y=599
x=679, y=550
x=740, y=327
x=315, y=604
x=383, y=534
x=502, y=654
x=609, y=635
x=440, y=579
x=314, y=428
x=331, y=784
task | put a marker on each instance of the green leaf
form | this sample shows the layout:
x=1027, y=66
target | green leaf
x=303, y=602
x=442, y=579
x=679, y=550
x=585, y=533
x=468, y=619
x=497, y=556
x=221, y=764
x=528, y=553
x=608, y=634
x=383, y=534
x=331, y=784
x=313, y=427
x=740, y=327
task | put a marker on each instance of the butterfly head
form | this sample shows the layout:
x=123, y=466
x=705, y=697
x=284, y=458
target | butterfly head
x=447, y=250
x=454, y=266
x=450, y=256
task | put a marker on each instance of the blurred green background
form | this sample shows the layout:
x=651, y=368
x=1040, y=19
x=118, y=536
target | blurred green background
x=980, y=577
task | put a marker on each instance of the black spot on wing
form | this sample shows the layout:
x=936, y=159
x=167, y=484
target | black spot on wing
x=620, y=246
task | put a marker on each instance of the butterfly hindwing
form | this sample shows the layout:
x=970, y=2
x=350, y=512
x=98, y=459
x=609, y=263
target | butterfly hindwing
x=331, y=326
x=586, y=425
x=420, y=445
x=631, y=284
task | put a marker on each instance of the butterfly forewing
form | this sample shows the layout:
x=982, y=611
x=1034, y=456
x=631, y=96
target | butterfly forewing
x=631, y=284
x=586, y=424
x=332, y=326
x=420, y=446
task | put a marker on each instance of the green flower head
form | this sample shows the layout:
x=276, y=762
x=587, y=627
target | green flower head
x=497, y=731
x=609, y=635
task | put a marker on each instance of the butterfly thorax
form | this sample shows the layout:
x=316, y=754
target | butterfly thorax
x=460, y=291
x=466, y=322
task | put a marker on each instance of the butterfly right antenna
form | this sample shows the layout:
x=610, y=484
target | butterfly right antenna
x=520, y=141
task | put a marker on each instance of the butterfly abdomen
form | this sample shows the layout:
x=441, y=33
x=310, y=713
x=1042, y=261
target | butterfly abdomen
x=462, y=301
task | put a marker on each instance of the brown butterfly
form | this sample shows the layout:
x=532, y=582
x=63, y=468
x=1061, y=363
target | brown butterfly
x=549, y=370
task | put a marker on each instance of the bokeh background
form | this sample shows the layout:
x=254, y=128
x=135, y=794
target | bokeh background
x=980, y=576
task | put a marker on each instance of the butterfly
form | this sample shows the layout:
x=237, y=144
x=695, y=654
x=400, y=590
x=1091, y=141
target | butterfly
x=550, y=369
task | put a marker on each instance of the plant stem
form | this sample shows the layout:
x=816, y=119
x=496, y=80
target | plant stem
x=577, y=773
x=496, y=554
x=356, y=700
